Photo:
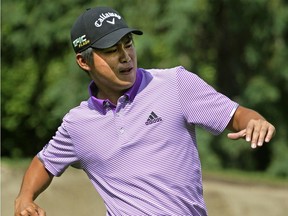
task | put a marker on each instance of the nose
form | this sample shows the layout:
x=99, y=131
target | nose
x=124, y=55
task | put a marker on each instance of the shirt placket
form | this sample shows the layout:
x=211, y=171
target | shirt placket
x=120, y=120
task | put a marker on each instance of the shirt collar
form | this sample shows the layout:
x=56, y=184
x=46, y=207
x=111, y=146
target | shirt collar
x=102, y=105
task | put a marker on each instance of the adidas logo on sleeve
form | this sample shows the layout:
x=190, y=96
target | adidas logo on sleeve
x=153, y=118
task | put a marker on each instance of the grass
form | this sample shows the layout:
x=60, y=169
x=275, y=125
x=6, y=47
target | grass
x=244, y=177
x=21, y=163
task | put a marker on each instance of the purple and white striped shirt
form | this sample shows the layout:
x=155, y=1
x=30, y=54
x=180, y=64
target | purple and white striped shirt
x=141, y=154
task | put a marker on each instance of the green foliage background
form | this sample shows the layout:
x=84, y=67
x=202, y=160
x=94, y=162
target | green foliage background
x=239, y=47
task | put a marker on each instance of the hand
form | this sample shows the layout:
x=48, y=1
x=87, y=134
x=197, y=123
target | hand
x=23, y=208
x=257, y=132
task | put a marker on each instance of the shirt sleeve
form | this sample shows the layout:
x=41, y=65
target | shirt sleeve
x=59, y=153
x=202, y=105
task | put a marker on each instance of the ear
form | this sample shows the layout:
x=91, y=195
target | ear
x=82, y=62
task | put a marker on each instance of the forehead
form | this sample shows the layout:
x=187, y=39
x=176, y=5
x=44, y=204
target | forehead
x=124, y=39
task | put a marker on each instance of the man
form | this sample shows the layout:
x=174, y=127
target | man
x=135, y=136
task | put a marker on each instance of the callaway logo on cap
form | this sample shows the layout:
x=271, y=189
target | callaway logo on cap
x=100, y=27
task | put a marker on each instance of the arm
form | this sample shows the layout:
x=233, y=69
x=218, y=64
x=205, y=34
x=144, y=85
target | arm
x=250, y=124
x=35, y=181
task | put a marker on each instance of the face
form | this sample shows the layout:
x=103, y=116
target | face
x=114, y=68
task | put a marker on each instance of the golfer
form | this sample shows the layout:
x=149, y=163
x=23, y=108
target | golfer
x=135, y=135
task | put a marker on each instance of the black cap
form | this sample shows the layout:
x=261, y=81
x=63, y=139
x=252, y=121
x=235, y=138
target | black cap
x=100, y=27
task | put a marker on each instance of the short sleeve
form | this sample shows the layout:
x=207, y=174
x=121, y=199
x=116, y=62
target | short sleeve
x=59, y=153
x=202, y=105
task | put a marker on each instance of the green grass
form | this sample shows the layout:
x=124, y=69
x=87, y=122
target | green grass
x=20, y=163
x=244, y=177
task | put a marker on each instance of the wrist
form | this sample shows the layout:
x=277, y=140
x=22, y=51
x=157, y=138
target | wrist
x=26, y=197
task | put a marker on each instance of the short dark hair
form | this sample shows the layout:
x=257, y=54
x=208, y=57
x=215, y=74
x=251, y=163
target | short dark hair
x=88, y=55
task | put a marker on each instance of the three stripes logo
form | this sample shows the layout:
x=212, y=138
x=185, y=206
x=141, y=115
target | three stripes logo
x=153, y=118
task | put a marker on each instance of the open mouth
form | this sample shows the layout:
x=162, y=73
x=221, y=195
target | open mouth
x=126, y=70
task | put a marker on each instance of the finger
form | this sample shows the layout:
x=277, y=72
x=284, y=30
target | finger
x=30, y=211
x=249, y=130
x=41, y=212
x=262, y=131
x=270, y=134
x=253, y=130
x=24, y=213
x=262, y=134
x=237, y=135
x=255, y=136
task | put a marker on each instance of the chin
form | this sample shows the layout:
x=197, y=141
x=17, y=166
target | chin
x=129, y=79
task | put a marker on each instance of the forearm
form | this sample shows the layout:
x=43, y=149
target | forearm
x=242, y=117
x=35, y=181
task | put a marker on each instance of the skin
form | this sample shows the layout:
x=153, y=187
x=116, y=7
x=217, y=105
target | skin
x=249, y=124
x=114, y=71
x=35, y=181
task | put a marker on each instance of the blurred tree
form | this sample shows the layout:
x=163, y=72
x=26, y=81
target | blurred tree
x=34, y=69
x=251, y=35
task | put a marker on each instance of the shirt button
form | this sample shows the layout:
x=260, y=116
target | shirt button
x=122, y=130
x=107, y=104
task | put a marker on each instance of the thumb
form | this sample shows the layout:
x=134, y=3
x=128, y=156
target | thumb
x=237, y=135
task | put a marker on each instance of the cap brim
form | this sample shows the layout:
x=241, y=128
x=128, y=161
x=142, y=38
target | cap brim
x=112, y=38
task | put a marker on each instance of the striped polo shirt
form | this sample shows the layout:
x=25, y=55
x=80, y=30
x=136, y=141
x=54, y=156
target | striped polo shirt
x=141, y=153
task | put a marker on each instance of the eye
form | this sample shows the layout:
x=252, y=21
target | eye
x=129, y=44
x=110, y=50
